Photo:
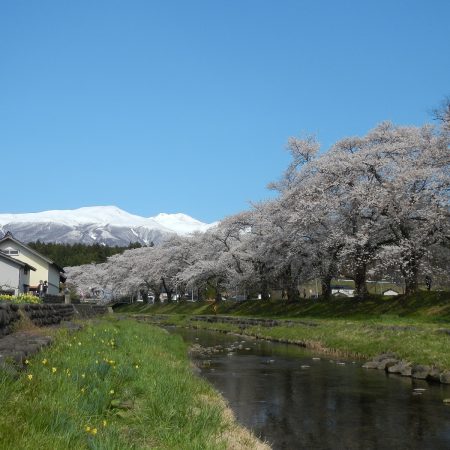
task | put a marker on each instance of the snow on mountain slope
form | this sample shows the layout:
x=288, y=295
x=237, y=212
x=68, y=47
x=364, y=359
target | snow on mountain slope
x=181, y=223
x=102, y=224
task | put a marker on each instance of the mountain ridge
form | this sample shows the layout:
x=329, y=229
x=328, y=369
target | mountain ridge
x=107, y=225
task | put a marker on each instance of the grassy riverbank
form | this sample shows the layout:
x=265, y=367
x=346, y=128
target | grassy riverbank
x=414, y=328
x=434, y=306
x=115, y=384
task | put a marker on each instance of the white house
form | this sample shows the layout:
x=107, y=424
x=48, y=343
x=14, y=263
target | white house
x=14, y=275
x=45, y=268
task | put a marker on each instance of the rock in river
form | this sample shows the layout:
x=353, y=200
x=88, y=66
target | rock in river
x=445, y=377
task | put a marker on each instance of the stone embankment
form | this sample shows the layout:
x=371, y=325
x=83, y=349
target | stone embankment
x=241, y=322
x=15, y=347
x=45, y=314
x=251, y=322
x=391, y=364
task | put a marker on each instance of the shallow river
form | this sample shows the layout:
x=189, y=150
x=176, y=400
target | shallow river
x=296, y=402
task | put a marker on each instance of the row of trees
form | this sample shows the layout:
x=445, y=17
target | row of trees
x=78, y=254
x=370, y=207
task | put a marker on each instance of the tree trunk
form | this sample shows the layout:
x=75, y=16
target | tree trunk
x=218, y=295
x=290, y=286
x=264, y=290
x=292, y=293
x=169, y=292
x=325, y=283
x=360, y=280
x=410, y=271
x=263, y=281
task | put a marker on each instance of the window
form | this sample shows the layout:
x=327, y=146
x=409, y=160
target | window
x=11, y=251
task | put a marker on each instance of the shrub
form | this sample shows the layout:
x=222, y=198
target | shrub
x=21, y=298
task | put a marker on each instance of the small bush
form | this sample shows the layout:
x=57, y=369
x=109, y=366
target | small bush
x=20, y=299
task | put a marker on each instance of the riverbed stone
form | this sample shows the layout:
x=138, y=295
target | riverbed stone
x=445, y=377
x=370, y=365
x=420, y=371
x=434, y=375
x=386, y=363
x=381, y=362
x=443, y=331
x=406, y=371
x=400, y=368
x=383, y=356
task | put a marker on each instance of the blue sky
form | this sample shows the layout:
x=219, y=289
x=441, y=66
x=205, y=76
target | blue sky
x=177, y=106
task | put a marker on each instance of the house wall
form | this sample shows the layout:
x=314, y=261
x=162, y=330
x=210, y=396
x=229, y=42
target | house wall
x=24, y=279
x=9, y=275
x=53, y=280
x=43, y=269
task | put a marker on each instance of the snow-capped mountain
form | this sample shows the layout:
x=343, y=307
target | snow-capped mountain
x=107, y=225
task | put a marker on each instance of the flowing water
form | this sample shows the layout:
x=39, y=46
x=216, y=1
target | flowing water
x=293, y=400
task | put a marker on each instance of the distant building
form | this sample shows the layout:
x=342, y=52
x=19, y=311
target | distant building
x=346, y=291
x=44, y=268
x=390, y=292
x=14, y=275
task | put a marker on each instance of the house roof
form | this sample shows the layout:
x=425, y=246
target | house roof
x=10, y=237
x=15, y=261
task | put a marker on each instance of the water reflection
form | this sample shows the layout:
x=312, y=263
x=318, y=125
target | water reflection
x=325, y=405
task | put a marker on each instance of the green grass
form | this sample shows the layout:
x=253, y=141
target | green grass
x=433, y=306
x=68, y=395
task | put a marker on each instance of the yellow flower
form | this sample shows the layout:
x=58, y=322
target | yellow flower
x=54, y=369
x=94, y=431
x=30, y=376
x=137, y=366
x=82, y=390
x=88, y=429
x=44, y=361
x=111, y=391
x=27, y=362
x=83, y=375
x=79, y=343
x=104, y=423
